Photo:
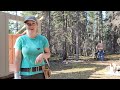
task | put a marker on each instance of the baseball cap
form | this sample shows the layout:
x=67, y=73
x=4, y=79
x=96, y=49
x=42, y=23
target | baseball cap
x=30, y=18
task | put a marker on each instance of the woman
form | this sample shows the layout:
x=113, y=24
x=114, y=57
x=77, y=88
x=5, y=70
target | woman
x=31, y=51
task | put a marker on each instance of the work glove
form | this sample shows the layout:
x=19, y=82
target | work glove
x=17, y=75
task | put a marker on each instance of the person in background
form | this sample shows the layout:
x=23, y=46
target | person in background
x=100, y=51
x=31, y=51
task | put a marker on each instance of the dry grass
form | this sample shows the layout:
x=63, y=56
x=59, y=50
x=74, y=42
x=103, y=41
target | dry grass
x=83, y=69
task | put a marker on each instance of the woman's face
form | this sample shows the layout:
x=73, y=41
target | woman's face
x=31, y=26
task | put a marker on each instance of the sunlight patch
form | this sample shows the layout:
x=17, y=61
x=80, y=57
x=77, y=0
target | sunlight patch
x=113, y=73
x=72, y=70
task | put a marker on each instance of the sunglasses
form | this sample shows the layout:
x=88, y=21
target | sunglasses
x=30, y=24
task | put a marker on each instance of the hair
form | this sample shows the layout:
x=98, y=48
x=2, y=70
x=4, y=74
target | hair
x=100, y=41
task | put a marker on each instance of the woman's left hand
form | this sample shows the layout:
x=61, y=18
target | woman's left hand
x=39, y=58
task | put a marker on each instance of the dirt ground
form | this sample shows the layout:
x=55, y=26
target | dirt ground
x=82, y=69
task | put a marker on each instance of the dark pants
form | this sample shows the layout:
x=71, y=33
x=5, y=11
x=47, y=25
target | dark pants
x=100, y=55
x=36, y=76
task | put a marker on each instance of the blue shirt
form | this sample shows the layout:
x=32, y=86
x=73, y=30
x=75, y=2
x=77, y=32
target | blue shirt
x=31, y=48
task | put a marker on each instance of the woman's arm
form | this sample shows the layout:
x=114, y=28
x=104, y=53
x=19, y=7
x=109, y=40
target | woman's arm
x=17, y=61
x=42, y=56
x=47, y=54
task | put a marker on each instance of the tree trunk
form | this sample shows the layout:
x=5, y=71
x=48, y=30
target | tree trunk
x=64, y=42
x=77, y=46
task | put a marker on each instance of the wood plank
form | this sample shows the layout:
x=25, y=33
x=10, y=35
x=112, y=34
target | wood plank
x=10, y=76
x=10, y=49
x=2, y=44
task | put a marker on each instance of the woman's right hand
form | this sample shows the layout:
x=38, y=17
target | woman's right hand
x=39, y=59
